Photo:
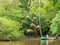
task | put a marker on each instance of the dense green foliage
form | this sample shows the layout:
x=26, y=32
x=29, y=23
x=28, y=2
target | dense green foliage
x=10, y=23
x=55, y=26
x=17, y=15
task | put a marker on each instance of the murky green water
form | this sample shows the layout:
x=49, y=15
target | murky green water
x=31, y=42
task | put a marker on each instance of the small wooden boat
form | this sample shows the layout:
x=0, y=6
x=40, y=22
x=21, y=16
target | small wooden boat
x=51, y=38
x=48, y=38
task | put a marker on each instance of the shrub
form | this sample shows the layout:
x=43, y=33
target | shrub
x=9, y=29
x=55, y=26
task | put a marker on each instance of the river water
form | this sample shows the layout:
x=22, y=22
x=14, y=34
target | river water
x=31, y=42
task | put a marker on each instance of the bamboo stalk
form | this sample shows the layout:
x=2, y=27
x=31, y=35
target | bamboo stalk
x=40, y=17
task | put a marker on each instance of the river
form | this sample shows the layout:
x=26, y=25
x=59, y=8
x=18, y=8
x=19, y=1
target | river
x=31, y=42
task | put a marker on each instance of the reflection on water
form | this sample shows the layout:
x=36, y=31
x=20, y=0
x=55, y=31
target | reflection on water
x=50, y=42
x=31, y=42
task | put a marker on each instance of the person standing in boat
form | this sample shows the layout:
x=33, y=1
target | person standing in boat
x=47, y=36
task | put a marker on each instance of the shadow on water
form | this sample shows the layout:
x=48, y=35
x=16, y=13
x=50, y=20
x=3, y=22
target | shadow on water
x=31, y=42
